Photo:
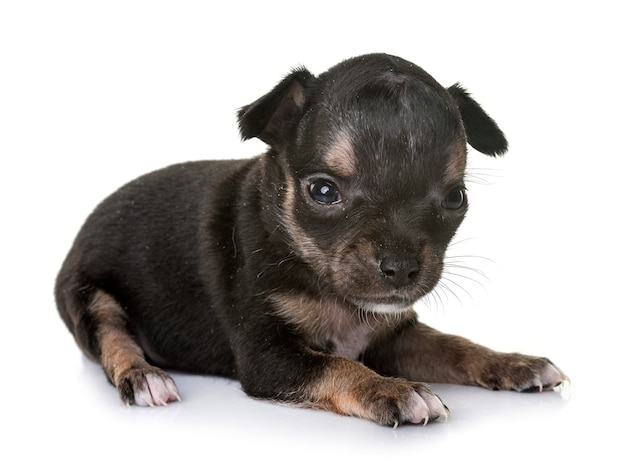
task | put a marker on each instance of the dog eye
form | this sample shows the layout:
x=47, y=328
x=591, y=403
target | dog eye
x=324, y=191
x=455, y=199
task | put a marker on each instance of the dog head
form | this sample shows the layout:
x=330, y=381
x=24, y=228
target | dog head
x=365, y=174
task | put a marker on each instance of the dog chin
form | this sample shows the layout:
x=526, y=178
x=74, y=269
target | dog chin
x=383, y=308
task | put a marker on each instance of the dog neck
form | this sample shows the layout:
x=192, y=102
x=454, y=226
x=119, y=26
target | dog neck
x=332, y=324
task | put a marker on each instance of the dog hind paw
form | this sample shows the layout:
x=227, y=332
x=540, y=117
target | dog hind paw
x=147, y=387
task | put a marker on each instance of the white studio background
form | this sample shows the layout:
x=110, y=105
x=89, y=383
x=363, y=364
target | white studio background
x=93, y=94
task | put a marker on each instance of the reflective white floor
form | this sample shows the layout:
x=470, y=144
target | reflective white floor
x=73, y=414
x=93, y=94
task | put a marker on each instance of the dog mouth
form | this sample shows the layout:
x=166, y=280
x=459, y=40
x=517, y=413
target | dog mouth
x=378, y=297
x=389, y=285
x=383, y=305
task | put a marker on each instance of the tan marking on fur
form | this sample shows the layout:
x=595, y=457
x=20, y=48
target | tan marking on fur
x=455, y=169
x=340, y=158
x=322, y=321
x=305, y=245
x=119, y=351
x=360, y=257
x=354, y=267
x=341, y=268
x=349, y=388
x=343, y=387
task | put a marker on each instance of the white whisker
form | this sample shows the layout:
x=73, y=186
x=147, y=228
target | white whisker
x=482, y=175
x=447, y=272
x=458, y=279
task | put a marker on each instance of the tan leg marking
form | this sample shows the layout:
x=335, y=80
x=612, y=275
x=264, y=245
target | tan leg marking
x=349, y=388
x=123, y=359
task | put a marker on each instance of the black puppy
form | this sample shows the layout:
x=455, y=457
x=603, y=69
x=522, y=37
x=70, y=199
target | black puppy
x=296, y=271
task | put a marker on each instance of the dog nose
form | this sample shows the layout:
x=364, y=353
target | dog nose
x=399, y=272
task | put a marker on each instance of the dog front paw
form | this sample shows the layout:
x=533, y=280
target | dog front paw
x=434, y=408
x=146, y=387
x=350, y=388
x=394, y=402
x=523, y=373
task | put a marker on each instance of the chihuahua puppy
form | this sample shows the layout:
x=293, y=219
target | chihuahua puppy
x=296, y=271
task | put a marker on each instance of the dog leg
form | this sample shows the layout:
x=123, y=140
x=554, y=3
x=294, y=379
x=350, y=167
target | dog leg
x=420, y=353
x=303, y=377
x=349, y=388
x=123, y=360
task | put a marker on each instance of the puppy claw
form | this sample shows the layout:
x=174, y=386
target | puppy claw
x=563, y=385
x=427, y=406
x=537, y=386
x=564, y=389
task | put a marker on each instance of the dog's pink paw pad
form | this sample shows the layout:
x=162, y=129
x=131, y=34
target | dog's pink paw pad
x=158, y=390
x=147, y=387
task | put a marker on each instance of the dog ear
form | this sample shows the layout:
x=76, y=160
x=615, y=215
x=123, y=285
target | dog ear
x=483, y=133
x=267, y=118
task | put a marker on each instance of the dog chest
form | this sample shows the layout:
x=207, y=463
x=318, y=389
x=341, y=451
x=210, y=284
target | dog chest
x=330, y=324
